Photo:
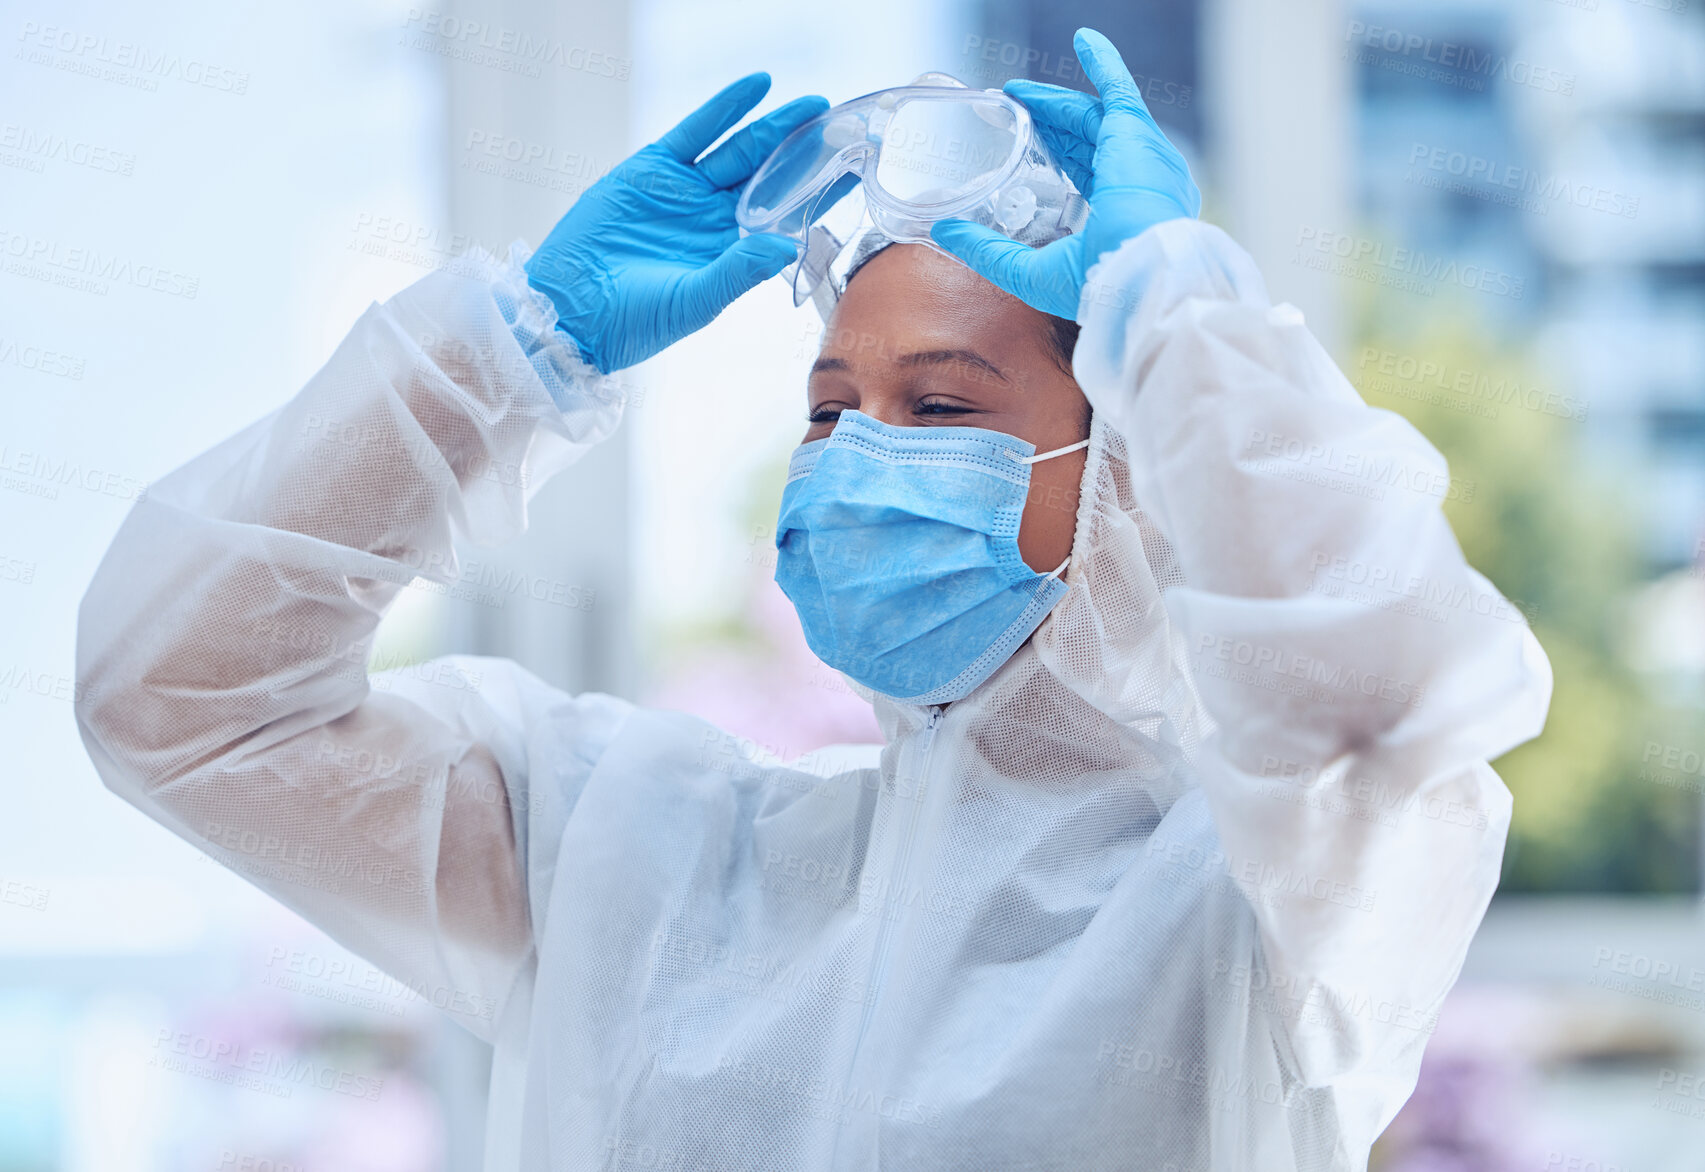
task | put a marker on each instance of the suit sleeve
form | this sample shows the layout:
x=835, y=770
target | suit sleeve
x=223, y=644
x=1360, y=672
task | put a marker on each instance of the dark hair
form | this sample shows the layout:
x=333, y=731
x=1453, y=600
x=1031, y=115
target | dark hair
x=1062, y=331
x=1062, y=336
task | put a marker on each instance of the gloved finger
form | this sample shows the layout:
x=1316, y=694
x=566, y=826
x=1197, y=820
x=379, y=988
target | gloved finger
x=1075, y=157
x=998, y=259
x=734, y=161
x=1129, y=141
x=1068, y=122
x=705, y=125
x=1103, y=65
x=1143, y=160
x=1036, y=276
x=1043, y=278
x=748, y=262
x=1072, y=111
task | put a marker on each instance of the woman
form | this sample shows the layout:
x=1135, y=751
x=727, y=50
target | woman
x=1174, y=876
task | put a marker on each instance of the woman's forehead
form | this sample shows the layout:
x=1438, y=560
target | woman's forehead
x=909, y=298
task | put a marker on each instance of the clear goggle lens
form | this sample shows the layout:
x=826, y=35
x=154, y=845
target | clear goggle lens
x=897, y=161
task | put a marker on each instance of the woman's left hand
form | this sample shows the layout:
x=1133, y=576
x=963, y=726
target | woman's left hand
x=1116, y=155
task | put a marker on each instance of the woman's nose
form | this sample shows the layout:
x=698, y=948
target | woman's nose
x=885, y=410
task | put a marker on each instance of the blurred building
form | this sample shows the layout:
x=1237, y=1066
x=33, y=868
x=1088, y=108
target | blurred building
x=1629, y=302
x=1208, y=71
x=1556, y=144
x=1159, y=39
x=1564, y=143
x=1421, y=126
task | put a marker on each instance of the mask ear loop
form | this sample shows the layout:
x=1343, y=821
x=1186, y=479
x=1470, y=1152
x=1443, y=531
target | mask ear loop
x=1038, y=458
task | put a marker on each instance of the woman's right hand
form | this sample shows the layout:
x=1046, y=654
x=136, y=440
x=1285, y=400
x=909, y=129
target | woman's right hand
x=651, y=252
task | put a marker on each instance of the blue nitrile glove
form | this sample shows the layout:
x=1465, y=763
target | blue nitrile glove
x=1132, y=176
x=651, y=251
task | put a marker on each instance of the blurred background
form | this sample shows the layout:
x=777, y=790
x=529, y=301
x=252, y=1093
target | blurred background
x=1491, y=211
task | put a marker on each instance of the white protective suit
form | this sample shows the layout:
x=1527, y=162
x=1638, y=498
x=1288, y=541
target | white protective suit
x=1181, y=887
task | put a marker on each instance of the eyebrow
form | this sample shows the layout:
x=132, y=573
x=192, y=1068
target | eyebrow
x=923, y=358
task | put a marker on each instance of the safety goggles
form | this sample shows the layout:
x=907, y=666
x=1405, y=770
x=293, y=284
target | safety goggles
x=891, y=163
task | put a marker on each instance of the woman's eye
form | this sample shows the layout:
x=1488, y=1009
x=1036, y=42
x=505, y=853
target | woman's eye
x=824, y=415
x=927, y=408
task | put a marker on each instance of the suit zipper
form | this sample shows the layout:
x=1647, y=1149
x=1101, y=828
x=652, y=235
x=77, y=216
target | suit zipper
x=902, y=863
x=885, y=928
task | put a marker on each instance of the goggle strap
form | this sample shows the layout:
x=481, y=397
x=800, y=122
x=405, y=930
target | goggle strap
x=824, y=295
x=1075, y=214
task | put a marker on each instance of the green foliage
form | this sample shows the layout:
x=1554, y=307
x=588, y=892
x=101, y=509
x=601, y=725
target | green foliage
x=1588, y=816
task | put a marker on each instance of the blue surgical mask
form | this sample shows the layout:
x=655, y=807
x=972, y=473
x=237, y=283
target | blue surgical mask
x=898, y=546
